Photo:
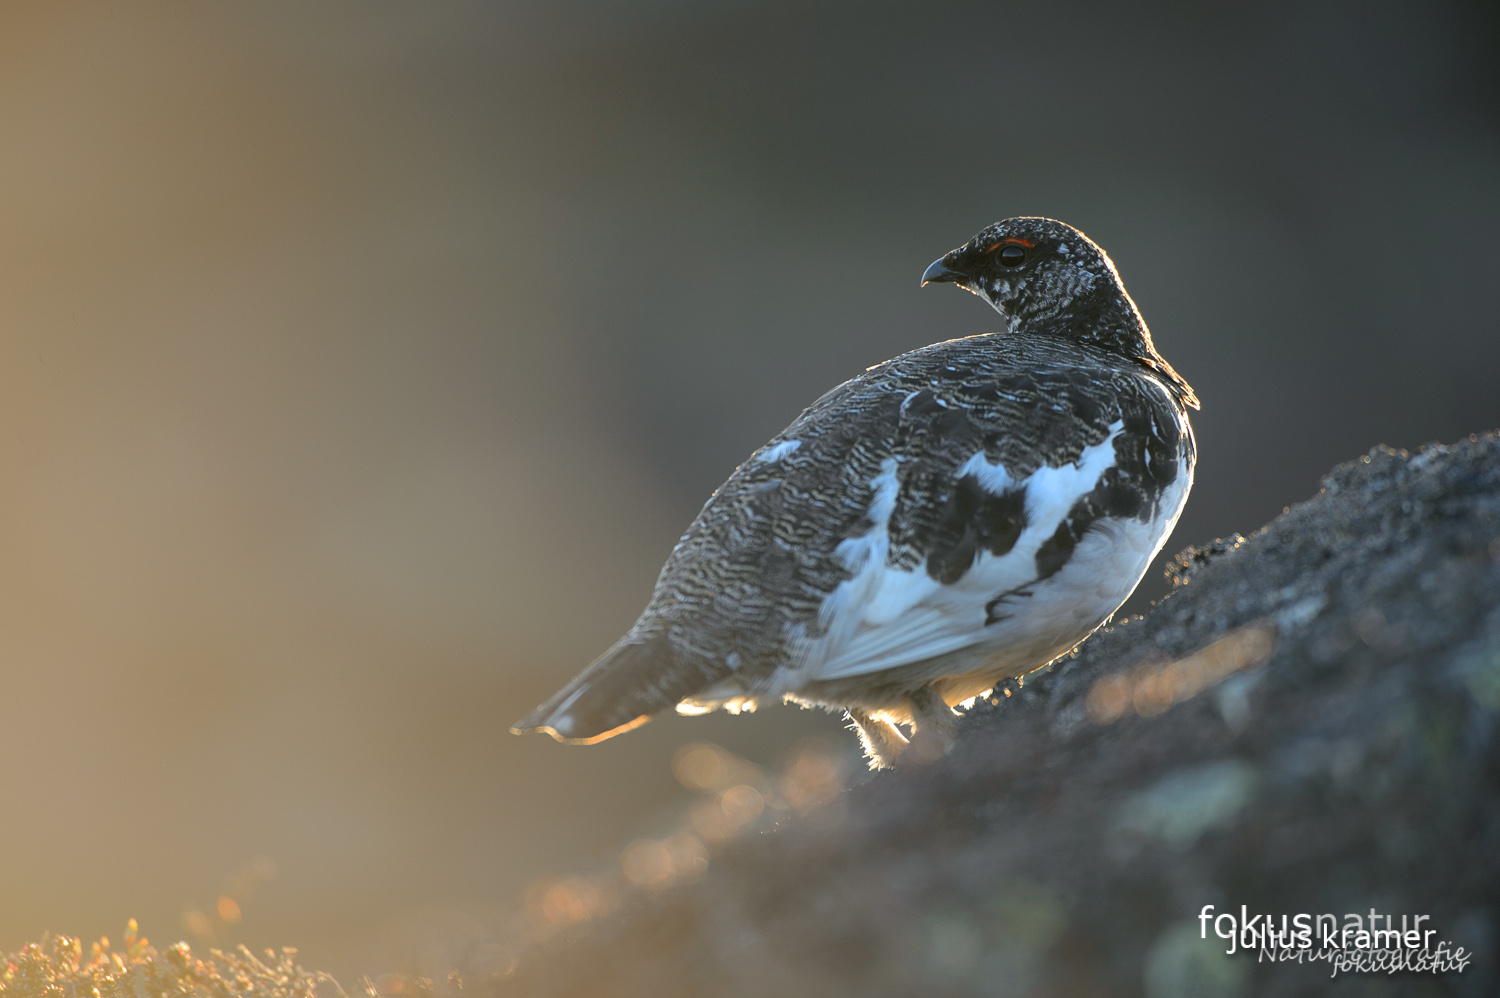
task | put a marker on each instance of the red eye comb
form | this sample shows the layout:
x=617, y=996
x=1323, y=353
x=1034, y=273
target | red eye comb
x=1009, y=239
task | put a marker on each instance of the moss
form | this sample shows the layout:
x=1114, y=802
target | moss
x=57, y=967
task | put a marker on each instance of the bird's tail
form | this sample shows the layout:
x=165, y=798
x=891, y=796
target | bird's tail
x=622, y=690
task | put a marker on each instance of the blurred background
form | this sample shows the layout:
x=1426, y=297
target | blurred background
x=360, y=363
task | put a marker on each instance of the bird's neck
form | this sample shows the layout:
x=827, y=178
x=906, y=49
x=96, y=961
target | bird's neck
x=1107, y=319
x=1104, y=316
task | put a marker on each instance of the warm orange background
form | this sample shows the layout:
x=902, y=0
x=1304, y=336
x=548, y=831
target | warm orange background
x=359, y=364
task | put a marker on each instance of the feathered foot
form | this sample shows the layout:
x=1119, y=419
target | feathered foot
x=883, y=741
x=933, y=727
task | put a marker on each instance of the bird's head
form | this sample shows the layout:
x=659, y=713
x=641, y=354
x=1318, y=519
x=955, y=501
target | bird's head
x=1032, y=269
x=1048, y=278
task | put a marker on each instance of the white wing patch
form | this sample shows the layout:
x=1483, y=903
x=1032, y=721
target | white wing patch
x=993, y=478
x=883, y=617
x=770, y=455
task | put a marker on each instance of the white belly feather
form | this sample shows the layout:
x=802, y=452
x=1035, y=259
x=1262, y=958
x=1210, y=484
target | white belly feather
x=884, y=617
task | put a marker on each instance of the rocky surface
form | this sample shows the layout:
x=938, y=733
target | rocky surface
x=1307, y=724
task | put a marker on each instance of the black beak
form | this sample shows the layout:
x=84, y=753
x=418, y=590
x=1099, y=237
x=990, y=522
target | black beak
x=940, y=271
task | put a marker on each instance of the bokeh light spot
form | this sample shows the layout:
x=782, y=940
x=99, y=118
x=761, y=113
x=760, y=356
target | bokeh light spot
x=197, y=923
x=700, y=767
x=228, y=909
x=570, y=901
x=647, y=863
x=742, y=803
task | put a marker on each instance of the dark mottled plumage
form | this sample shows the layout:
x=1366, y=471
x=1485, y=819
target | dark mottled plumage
x=987, y=459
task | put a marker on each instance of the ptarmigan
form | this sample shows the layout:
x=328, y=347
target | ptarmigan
x=958, y=515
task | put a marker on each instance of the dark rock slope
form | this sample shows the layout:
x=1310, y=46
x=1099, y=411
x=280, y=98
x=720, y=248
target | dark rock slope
x=1307, y=724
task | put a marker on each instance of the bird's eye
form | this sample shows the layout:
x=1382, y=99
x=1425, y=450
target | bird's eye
x=1012, y=256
